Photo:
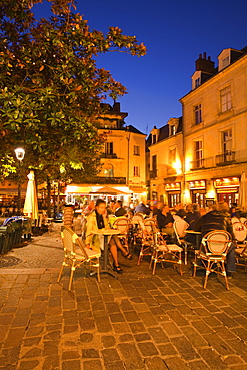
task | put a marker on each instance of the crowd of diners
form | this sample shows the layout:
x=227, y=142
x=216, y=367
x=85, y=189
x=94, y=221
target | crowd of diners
x=203, y=220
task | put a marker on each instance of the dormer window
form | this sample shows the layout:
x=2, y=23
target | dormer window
x=154, y=139
x=226, y=62
x=197, y=82
x=172, y=130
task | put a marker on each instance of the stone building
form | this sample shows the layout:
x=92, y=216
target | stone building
x=212, y=145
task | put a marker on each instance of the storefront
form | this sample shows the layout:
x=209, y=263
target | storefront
x=174, y=193
x=198, y=192
x=227, y=189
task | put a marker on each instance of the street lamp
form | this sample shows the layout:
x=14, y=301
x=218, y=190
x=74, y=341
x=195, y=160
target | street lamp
x=20, y=153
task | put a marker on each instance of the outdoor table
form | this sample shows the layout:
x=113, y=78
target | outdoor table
x=197, y=234
x=106, y=233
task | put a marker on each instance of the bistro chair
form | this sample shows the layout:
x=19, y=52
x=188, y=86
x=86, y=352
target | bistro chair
x=240, y=233
x=123, y=224
x=213, y=253
x=75, y=255
x=180, y=226
x=147, y=227
x=163, y=252
x=136, y=228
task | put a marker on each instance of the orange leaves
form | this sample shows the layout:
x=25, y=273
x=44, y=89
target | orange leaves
x=41, y=68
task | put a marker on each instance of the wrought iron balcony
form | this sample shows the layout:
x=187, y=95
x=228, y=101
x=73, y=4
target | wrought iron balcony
x=225, y=158
x=106, y=180
x=109, y=155
x=153, y=174
x=202, y=163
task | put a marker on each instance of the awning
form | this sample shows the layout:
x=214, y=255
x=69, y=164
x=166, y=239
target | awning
x=78, y=189
x=12, y=191
x=137, y=189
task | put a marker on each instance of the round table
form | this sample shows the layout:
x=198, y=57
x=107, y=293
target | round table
x=106, y=233
x=197, y=234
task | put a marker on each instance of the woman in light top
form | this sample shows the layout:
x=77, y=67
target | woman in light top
x=97, y=220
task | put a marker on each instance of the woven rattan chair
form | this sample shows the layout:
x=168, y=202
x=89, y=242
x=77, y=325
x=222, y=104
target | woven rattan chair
x=240, y=233
x=212, y=254
x=180, y=226
x=163, y=252
x=123, y=224
x=147, y=227
x=75, y=255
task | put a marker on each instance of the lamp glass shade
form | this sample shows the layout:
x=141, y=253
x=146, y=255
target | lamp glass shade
x=20, y=153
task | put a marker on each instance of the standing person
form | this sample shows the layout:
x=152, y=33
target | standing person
x=120, y=211
x=97, y=220
x=165, y=221
x=218, y=218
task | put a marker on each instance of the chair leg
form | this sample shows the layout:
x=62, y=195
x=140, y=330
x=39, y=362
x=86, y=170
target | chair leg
x=98, y=270
x=207, y=274
x=71, y=275
x=140, y=256
x=185, y=254
x=61, y=270
x=194, y=269
x=224, y=274
x=180, y=263
x=155, y=262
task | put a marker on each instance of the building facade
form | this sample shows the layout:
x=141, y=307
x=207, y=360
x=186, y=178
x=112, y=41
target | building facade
x=213, y=148
x=122, y=160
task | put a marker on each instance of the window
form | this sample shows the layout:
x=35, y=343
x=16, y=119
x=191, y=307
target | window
x=198, y=82
x=228, y=155
x=172, y=156
x=109, y=148
x=154, y=162
x=172, y=129
x=198, y=154
x=136, y=150
x=198, y=114
x=136, y=171
x=226, y=100
x=225, y=62
x=154, y=139
x=108, y=170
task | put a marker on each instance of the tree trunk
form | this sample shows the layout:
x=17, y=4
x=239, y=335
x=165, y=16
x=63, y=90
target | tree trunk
x=48, y=197
x=58, y=195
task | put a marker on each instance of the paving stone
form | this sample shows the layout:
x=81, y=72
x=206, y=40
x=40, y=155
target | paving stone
x=148, y=319
x=167, y=349
x=108, y=341
x=51, y=363
x=69, y=365
x=233, y=360
x=131, y=355
x=194, y=337
x=178, y=318
x=158, y=335
x=184, y=348
x=92, y=365
x=117, y=317
x=67, y=355
x=198, y=365
x=131, y=316
x=155, y=363
x=171, y=329
x=212, y=359
x=103, y=324
x=175, y=363
x=119, y=365
x=110, y=355
x=126, y=338
x=137, y=327
x=90, y=353
x=28, y=365
x=142, y=337
x=147, y=349
x=33, y=352
x=218, y=344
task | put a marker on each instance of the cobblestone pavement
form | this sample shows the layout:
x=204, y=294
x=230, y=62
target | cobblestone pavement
x=137, y=321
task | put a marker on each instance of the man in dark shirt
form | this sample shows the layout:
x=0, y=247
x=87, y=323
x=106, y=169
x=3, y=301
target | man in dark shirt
x=142, y=208
x=218, y=219
x=165, y=221
x=120, y=211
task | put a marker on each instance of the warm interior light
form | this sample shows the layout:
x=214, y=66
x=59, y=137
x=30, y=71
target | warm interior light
x=20, y=153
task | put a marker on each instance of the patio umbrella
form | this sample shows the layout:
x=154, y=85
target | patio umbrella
x=242, y=201
x=108, y=191
x=31, y=201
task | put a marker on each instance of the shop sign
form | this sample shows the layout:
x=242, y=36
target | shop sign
x=198, y=184
x=226, y=182
x=172, y=187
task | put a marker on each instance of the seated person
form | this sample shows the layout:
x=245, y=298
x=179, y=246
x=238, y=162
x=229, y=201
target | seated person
x=159, y=208
x=120, y=211
x=180, y=210
x=111, y=208
x=97, y=220
x=165, y=221
x=142, y=208
x=218, y=219
x=192, y=216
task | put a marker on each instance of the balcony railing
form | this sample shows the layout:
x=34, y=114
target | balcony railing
x=153, y=174
x=202, y=163
x=106, y=180
x=109, y=155
x=225, y=158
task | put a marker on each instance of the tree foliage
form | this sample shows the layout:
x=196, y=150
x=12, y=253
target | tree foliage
x=50, y=87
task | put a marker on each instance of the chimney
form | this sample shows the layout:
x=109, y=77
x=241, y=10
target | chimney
x=116, y=107
x=203, y=64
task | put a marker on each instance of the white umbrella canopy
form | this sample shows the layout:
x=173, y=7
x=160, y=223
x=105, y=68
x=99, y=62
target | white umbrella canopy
x=242, y=200
x=31, y=201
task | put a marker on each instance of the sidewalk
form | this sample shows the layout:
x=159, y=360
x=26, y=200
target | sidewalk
x=137, y=321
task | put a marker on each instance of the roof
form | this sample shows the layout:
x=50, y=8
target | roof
x=235, y=58
x=164, y=132
x=133, y=129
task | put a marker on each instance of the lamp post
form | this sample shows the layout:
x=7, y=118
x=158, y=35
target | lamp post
x=20, y=153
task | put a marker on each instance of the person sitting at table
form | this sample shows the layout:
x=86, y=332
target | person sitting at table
x=142, y=208
x=218, y=218
x=180, y=210
x=97, y=220
x=120, y=211
x=165, y=221
x=111, y=208
x=159, y=208
x=192, y=216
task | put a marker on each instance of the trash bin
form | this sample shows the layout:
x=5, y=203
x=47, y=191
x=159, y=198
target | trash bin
x=10, y=236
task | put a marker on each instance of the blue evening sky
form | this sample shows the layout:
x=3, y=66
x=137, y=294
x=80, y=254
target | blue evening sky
x=175, y=32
